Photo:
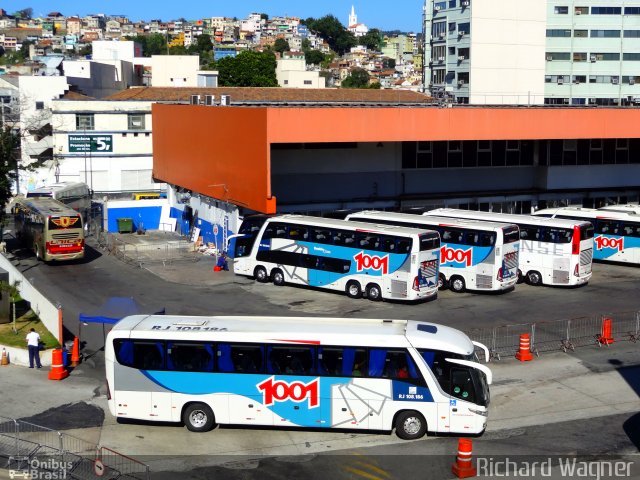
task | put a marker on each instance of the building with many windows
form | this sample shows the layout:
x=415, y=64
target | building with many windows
x=531, y=52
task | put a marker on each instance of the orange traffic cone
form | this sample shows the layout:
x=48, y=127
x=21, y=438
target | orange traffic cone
x=524, y=354
x=5, y=359
x=605, y=337
x=75, y=352
x=463, y=468
x=57, y=371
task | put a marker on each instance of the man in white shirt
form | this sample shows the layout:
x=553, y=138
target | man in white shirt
x=33, y=343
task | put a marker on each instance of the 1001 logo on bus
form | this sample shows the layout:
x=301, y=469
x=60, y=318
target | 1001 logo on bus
x=605, y=242
x=457, y=255
x=371, y=262
x=282, y=391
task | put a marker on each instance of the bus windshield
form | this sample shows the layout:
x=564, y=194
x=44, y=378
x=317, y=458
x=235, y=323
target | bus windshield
x=429, y=242
x=63, y=223
x=511, y=234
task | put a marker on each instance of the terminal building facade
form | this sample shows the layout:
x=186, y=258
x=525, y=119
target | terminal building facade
x=532, y=52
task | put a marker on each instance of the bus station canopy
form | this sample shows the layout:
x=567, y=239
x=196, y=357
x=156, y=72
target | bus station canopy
x=115, y=309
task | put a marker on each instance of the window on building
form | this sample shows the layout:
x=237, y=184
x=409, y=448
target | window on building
x=581, y=10
x=550, y=56
x=454, y=146
x=605, y=33
x=39, y=105
x=599, y=57
x=438, y=76
x=84, y=121
x=464, y=28
x=463, y=77
x=579, y=56
x=464, y=52
x=308, y=82
x=632, y=34
x=452, y=3
x=554, y=33
x=286, y=82
x=581, y=33
x=440, y=6
x=561, y=10
x=606, y=10
x=632, y=56
x=632, y=10
x=452, y=50
x=135, y=121
x=439, y=29
x=579, y=79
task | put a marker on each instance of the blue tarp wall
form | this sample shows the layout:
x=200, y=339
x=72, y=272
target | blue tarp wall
x=144, y=213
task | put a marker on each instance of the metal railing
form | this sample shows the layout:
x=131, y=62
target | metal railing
x=566, y=334
x=140, y=254
x=46, y=453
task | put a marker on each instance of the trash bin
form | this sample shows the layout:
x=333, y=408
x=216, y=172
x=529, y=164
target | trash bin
x=125, y=225
x=65, y=358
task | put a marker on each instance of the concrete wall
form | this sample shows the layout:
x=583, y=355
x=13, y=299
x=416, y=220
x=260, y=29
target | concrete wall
x=174, y=70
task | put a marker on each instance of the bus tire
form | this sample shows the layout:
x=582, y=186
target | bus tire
x=457, y=284
x=260, y=274
x=374, y=293
x=534, y=278
x=520, y=277
x=410, y=425
x=198, y=417
x=36, y=248
x=278, y=277
x=442, y=282
x=353, y=289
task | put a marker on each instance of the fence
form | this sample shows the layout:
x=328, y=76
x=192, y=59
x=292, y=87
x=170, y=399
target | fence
x=556, y=335
x=138, y=254
x=46, y=453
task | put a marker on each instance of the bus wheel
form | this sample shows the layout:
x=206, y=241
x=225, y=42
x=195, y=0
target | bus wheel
x=354, y=290
x=260, y=274
x=457, y=284
x=198, y=417
x=373, y=292
x=278, y=277
x=534, y=278
x=520, y=277
x=442, y=282
x=36, y=248
x=410, y=425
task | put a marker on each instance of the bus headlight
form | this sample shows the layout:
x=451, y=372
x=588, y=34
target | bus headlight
x=483, y=413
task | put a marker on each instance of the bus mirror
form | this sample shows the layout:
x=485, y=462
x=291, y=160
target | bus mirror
x=479, y=366
x=484, y=348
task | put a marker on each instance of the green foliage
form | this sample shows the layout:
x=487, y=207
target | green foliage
x=329, y=27
x=388, y=62
x=358, y=78
x=24, y=13
x=264, y=16
x=86, y=50
x=9, y=154
x=314, y=57
x=203, y=44
x=281, y=45
x=154, y=44
x=248, y=69
x=372, y=40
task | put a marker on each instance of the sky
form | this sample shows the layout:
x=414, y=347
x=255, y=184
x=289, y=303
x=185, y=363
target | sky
x=404, y=15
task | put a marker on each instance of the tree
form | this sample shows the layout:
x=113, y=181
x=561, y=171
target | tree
x=9, y=154
x=389, y=62
x=314, y=57
x=329, y=27
x=281, y=45
x=248, y=69
x=203, y=43
x=85, y=50
x=371, y=40
x=358, y=78
x=154, y=44
x=24, y=14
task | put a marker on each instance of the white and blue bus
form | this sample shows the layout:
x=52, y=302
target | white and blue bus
x=307, y=372
x=379, y=261
x=616, y=234
x=553, y=251
x=474, y=255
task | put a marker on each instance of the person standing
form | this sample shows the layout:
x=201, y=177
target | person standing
x=33, y=343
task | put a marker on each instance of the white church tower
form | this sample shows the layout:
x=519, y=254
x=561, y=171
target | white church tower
x=358, y=29
x=353, y=18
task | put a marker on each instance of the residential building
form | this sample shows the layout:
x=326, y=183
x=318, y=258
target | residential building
x=174, y=70
x=291, y=72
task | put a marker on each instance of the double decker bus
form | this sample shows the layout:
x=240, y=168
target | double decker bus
x=50, y=228
x=304, y=372
x=379, y=261
x=553, y=251
x=616, y=234
x=474, y=255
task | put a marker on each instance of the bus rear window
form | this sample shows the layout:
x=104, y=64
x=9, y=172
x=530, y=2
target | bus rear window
x=39, y=194
x=511, y=234
x=429, y=242
x=63, y=223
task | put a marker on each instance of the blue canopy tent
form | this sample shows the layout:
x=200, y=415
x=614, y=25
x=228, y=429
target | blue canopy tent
x=115, y=309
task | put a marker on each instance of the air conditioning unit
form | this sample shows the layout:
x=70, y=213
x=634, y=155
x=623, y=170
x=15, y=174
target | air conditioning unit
x=615, y=80
x=441, y=59
x=460, y=83
x=578, y=12
x=549, y=58
x=225, y=100
x=461, y=57
x=464, y=3
x=195, y=100
x=437, y=8
x=632, y=80
x=592, y=58
x=560, y=81
x=441, y=34
x=209, y=100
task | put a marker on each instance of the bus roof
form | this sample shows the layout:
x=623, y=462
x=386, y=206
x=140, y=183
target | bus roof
x=47, y=206
x=588, y=213
x=296, y=330
x=420, y=219
x=360, y=226
x=55, y=187
x=506, y=217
